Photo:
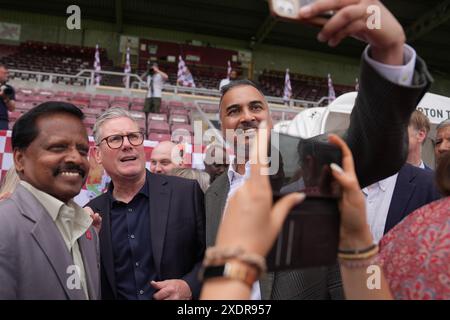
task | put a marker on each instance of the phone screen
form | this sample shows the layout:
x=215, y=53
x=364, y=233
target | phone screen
x=310, y=234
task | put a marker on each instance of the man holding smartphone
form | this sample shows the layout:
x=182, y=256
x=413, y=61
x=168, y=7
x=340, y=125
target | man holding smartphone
x=392, y=82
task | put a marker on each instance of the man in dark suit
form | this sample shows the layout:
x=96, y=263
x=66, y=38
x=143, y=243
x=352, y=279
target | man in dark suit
x=48, y=247
x=152, y=238
x=414, y=188
x=376, y=135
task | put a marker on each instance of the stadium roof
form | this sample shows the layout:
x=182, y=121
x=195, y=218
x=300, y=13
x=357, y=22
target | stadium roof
x=427, y=22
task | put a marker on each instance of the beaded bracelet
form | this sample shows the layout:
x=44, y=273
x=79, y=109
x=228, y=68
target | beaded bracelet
x=357, y=264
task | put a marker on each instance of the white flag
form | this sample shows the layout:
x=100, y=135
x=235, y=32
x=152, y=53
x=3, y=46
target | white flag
x=127, y=69
x=97, y=66
x=331, y=93
x=184, y=76
x=229, y=69
x=287, y=88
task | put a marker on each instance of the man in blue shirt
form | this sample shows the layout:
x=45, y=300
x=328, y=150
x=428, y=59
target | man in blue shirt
x=7, y=98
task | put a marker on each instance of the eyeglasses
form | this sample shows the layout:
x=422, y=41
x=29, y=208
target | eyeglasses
x=115, y=141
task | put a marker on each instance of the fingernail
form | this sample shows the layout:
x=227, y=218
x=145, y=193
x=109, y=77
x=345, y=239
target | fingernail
x=336, y=168
x=300, y=197
x=332, y=43
x=305, y=11
x=321, y=37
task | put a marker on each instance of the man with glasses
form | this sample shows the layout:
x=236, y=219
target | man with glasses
x=152, y=238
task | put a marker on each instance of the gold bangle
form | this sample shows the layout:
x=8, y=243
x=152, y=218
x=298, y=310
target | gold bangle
x=359, y=256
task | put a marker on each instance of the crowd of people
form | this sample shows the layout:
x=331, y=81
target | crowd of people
x=177, y=233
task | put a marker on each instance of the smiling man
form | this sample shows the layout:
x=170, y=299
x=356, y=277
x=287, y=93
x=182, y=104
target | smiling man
x=48, y=248
x=152, y=238
x=391, y=72
x=164, y=158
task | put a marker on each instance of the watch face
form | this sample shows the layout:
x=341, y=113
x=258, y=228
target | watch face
x=232, y=270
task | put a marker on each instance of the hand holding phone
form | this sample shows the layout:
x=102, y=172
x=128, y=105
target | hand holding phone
x=366, y=20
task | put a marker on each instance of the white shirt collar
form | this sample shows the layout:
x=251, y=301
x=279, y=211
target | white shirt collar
x=233, y=174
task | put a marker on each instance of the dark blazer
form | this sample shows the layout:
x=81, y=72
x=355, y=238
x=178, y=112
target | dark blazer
x=177, y=229
x=415, y=187
x=34, y=260
x=378, y=139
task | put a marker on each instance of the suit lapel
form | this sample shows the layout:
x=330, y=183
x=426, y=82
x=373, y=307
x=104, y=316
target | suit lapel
x=50, y=241
x=106, y=250
x=91, y=268
x=403, y=191
x=159, y=197
x=216, y=208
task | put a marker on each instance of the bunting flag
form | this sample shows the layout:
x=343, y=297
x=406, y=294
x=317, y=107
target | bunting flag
x=357, y=85
x=287, y=88
x=97, y=66
x=331, y=93
x=127, y=69
x=229, y=69
x=184, y=76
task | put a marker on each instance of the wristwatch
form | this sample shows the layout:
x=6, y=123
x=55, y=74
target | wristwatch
x=232, y=270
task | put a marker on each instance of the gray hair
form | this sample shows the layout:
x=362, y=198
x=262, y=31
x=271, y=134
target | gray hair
x=109, y=114
x=192, y=174
x=443, y=124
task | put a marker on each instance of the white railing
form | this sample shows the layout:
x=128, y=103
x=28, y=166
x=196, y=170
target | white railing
x=134, y=81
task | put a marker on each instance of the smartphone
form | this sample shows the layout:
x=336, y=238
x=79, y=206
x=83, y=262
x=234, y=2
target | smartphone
x=310, y=234
x=288, y=10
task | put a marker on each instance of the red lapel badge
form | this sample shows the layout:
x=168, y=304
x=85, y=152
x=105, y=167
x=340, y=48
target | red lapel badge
x=88, y=235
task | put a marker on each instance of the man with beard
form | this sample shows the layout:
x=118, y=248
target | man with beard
x=48, y=248
x=377, y=133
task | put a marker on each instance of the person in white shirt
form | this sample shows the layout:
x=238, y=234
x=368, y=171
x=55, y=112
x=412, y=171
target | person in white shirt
x=155, y=82
x=418, y=129
x=233, y=77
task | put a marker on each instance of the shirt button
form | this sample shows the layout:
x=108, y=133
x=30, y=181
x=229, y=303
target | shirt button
x=137, y=264
x=141, y=292
x=130, y=210
x=132, y=236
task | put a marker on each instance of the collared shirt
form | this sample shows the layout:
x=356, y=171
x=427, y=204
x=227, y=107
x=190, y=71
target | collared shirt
x=72, y=222
x=155, y=85
x=422, y=165
x=131, y=244
x=236, y=181
x=378, y=200
x=402, y=74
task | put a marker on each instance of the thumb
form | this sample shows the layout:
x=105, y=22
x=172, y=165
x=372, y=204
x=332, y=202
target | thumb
x=282, y=208
x=157, y=284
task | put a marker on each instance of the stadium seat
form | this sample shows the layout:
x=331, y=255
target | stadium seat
x=158, y=127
